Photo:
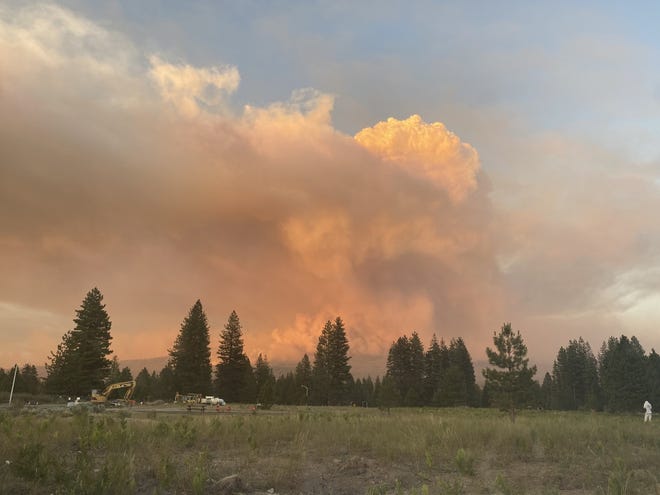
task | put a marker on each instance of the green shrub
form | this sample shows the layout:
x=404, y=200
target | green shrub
x=464, y=462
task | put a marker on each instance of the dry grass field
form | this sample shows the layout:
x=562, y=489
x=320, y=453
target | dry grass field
x=161, y=450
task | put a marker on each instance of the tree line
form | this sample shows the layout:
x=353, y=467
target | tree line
x=618, y=379
x=82, y=363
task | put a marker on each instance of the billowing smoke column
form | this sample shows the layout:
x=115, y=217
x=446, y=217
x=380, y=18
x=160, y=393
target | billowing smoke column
x=144, y=182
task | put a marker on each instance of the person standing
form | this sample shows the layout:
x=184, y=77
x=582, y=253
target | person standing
x=648, y=408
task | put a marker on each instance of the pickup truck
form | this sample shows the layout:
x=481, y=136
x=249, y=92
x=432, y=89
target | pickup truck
x=213, y=401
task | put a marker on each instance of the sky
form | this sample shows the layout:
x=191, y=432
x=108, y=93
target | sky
x=438, y=167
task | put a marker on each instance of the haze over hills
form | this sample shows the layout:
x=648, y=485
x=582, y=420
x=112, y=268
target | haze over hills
x=360, y=368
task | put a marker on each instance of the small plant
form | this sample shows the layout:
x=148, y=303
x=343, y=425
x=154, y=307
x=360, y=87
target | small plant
x=502, y=486
x=200, y=474
x=423, y=490
x=185, y=431
x=30, y=463
x=451, y=488
x=464, y=462
x=162, y=429
x=166, y=472
x=377, y=490
x=428, y=459
x=619, y=479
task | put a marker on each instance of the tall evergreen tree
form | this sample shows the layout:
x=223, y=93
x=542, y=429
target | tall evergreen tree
x=575, y=377
x=81, y=362
x=115, y=372
x=415, y=393
x=4, y=380
x=248, y=392
x=406, y=368
x=460, y=383
x=653, y=377
x=387, y=394
x=234, y=381
x=285, y=389
x=30, y=382
x=118, y=374
x=165, y=386
x=622, y=369
x=144, y=386
x=510, y=382
x=398, y=365
x=434, y=369
x=363, y=391
x=190, y=357
x=341, y=379
x=320, y=370
x=303, y=380
x=546, y=391
x=442, y=393
x=331, y=374
x=264, y=381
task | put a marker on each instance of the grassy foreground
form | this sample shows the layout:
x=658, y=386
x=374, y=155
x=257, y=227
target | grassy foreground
x=327, y=451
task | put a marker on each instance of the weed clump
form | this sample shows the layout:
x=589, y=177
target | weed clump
x=464, y=462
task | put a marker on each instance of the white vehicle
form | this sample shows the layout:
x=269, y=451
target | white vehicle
x=214, y=401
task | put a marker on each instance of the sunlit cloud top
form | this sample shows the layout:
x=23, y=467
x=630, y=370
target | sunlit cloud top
x=429, y=150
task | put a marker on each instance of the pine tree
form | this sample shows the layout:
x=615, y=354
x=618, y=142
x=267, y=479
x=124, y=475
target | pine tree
x=398, y=359
x=341, y=379
x=331, y=374
x=80, y=363
x=248, y=392
x=434, y=369
x=575, y=377
x=388, y=394
x=29, y=379
x=265, y=381
x=144, y=387
x=369, y=389
x=303, y=380
x=165, y=384
x=546, y=391
x=320, y=370
x=285, y=389
x=441, y=397
x=406, y=368
x=190, y=357
x=362, y=394
x=653, y=377
x=510, y=382
x=623, y=372
x=459, y=384
x=118, y=374
x=415, y=379
x=234, y=381
x=4, y=380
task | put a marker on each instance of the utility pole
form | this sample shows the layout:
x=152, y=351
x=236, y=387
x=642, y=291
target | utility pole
x=13, y=383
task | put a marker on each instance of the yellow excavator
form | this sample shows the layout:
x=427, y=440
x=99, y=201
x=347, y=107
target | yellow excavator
x=102, y=398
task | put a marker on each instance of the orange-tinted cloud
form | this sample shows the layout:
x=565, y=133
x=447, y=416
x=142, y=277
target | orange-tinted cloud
x=189, y=88
x=429, y=150
x=137, y=179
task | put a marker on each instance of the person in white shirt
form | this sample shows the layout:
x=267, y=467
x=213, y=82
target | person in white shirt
x=647, y=415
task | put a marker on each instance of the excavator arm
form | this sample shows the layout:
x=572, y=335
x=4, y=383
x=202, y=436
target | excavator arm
x=103, y=396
